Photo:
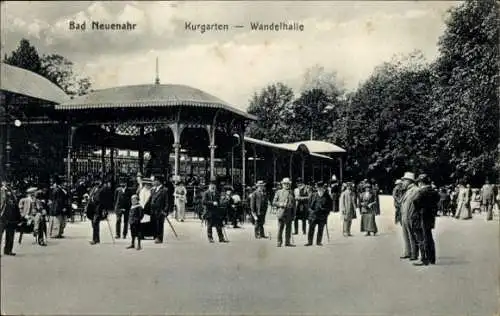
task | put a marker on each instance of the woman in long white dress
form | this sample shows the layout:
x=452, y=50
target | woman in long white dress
x=180, y=200
x=463, y=202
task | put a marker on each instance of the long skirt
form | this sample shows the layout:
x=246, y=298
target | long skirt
x=181, y=209
x=463, y=211
x=368, y=223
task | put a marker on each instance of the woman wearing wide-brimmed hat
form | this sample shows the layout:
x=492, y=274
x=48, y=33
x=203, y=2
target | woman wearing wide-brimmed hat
x=367, y=203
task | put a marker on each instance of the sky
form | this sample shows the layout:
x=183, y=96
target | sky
x=347, y=37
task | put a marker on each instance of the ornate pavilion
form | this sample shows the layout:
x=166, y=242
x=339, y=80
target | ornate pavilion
x=162, y=128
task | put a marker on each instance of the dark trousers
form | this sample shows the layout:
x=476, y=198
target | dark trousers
x=10, y=231
x=96, y=222
x=430, y=247
x=119, y=215
x=135, y=231
x=287, y=226
x=312, y=227
x=158, y=221
x=296, y=225
x=259, y=226
x=347, y=226
x=217, y=223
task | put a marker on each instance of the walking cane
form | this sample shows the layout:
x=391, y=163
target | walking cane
x=172, y=227
x=327, y=232
x=110, y=232
x=224, y=231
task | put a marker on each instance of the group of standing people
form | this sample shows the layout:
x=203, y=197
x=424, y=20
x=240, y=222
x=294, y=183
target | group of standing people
x=32, y=212
x=416, y=203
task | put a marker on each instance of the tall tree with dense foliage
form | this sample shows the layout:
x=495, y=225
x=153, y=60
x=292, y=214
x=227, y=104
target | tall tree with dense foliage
x=386, y=121
x=271, y=105
x=466, y=91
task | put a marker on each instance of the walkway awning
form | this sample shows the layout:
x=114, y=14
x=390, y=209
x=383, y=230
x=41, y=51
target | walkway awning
x=314, y=147
x=27, y=83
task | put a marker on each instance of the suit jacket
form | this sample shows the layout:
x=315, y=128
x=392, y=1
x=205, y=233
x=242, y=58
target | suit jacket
x=136, y=214
x=9, y=212
x=320, y=206
x=159, y=201
x=94, y=206
x=348, y=204
x=407, y=205
x=122, y=199
x=425, y=201
x=27, y=206
x=212, y=211
x=59, y=200
x=259, y=203
x=284, y=201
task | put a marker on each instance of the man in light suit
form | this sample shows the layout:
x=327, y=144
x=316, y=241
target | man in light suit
x=258, y=205
x=407, y=209
x=159, y=206
x=284, y=202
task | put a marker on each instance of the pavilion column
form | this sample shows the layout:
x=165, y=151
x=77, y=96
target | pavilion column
x=243, y=160
x=290, y=166
x=340, y=170
x=176, y=131
x=141, y=149
x=112, y=160
x=8, y=147
x=254, y=164
x=274, y=167
x=303, y=162
x=322, y=176
x=69, y=158
x=212, y=161
x=103, y=162
x=232, y=166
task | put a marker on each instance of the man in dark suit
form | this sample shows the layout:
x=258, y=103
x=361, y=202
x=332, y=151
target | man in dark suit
x=59, y=207
x=423, y=220
x=122, y=207
x=258, y=205
x=9, y=217
x=319, y=208
x=95, y=211
x=214, y=215
x=159, y=206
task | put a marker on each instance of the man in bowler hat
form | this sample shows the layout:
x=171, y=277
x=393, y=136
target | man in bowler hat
x=158, y=205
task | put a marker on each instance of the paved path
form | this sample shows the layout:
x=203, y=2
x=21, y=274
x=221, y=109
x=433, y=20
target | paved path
x=348, y=276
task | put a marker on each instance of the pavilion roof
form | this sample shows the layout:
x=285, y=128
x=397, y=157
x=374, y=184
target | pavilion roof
x=314, y=147
x=149, y=95
x=28, y=83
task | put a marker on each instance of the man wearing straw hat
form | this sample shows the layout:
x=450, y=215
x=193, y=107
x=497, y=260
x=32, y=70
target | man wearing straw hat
x=407, y=208
x=284, y=202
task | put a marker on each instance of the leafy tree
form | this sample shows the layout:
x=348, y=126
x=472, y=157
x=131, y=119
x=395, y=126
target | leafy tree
x=59, y=70
x=466, y=91
x=271, y=106
x=25, y=56
x=386, y=121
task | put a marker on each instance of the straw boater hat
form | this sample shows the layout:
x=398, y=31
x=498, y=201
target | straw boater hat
x=286, y=180
x=147, y=181
x=260, y=183
x=409, y=176
x=31, y=190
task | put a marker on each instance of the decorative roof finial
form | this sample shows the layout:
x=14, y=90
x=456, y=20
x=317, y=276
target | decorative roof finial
x=157, y=81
